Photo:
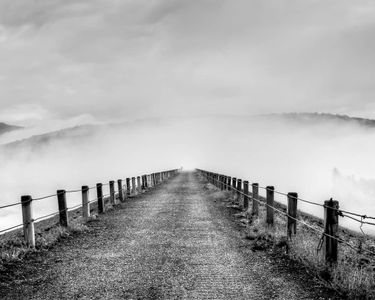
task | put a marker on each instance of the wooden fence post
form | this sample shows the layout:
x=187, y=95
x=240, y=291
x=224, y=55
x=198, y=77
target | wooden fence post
x=331, y=224
x=255, y=195
x=229, y=180
x=28, y=221
x=127, y=187
x=112, y=192
x=270, y=202
x=239, y=189
x=234, y=184
x=99, y=196
x=133, y=185
x=246, y=192
x=120, y=190
x=139, y=188
x=63, y=210
x=292, y=214
x=85, y=203
x=143, y=186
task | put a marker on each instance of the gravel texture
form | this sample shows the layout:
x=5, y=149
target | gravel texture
x=177, y=241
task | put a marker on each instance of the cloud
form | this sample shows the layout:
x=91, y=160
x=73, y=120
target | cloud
x=128, y=59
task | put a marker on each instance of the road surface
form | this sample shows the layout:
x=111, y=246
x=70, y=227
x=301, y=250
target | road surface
x=176, y=241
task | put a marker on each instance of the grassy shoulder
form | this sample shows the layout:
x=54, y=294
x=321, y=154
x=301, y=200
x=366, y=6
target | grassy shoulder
x=352, y=277
x=47, y=233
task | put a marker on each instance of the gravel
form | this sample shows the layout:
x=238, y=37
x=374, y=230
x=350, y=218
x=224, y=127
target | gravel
x=176, y=241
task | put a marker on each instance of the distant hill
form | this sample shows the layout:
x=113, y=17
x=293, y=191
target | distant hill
x=6, y=128
x=78, y=134
x=321, y=118
x=36, y=141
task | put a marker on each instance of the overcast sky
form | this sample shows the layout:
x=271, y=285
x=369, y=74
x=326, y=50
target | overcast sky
x=125, y=59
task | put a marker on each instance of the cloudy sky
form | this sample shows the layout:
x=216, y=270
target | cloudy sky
x=100, y=60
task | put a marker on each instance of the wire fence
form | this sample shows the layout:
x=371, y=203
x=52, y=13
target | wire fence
x=320, y=230
x=125, y=189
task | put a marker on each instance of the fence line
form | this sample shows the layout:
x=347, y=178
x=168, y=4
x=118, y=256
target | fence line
x=134, y=188
x=10, y=205
x=329, y=232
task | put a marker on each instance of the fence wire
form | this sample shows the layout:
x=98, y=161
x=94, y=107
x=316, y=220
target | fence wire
x=298, y=220
x=55, y=195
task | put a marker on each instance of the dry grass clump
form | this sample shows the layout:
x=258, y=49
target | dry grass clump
x=354, y=274
x=13, y=246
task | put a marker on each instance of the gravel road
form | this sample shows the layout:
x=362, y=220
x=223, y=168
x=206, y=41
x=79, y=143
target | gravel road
x=174, y=242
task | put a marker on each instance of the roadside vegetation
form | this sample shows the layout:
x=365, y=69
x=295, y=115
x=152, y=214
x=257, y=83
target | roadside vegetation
x=354, y=274
x=47, y=233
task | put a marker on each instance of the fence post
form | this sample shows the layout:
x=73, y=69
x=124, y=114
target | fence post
x=239, y=188
x=234, y=181
x=128, y=187
x=120, y=190
x=99, y=196
x=85, y=203
x=63, y=210
x=229, y=179
x=292, y=214
x=246, y=192
x=112, y=192
x=143, y=187
x=28, y=221
x=133, y=185
x=255, y=195
x=331, y=224
x=270, y=201
x=139, y=184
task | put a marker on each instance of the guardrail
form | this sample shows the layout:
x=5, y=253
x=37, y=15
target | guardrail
x=332, y=212
x=132, y=186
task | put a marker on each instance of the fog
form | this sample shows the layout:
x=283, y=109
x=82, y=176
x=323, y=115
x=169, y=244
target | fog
x=319, y=159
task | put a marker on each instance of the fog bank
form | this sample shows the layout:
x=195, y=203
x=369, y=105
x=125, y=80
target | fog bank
x=318, y=160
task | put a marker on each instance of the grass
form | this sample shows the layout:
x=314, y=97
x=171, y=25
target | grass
x=47, y=234
x=354, y=274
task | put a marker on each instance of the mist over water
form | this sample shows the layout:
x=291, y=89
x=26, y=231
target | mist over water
x=318, y=160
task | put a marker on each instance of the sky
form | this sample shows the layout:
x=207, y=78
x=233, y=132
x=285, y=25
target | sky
x=112, y=60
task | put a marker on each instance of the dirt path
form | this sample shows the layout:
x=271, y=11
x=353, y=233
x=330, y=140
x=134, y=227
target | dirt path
x=174, y=242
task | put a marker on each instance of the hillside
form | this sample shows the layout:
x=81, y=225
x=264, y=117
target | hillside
x=37, y=141
x=301, y=120
x=6, y=128
x=323, y=118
